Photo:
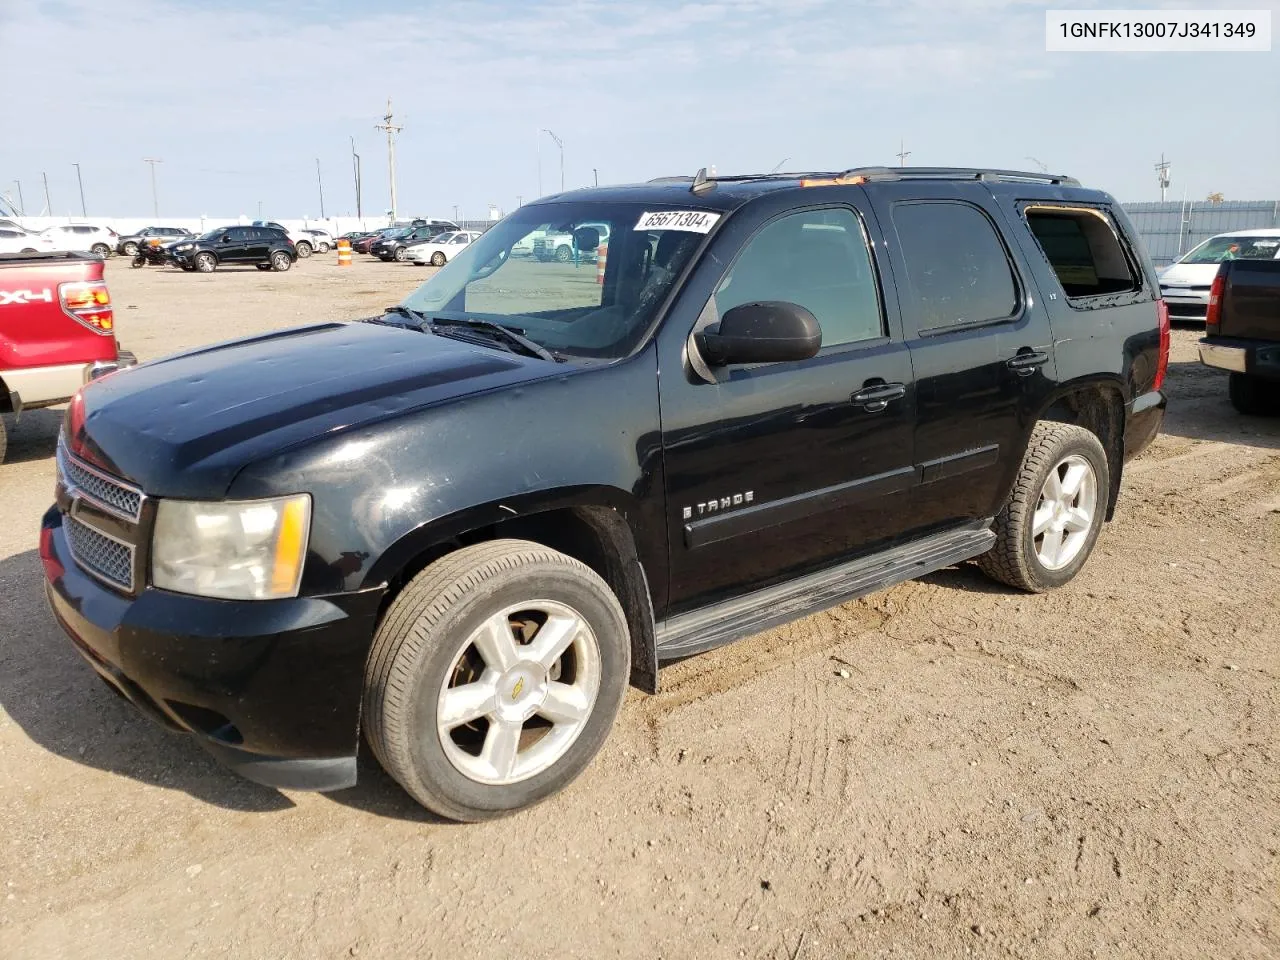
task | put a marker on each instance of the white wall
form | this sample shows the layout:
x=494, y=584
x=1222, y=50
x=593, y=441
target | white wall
x=127, y=225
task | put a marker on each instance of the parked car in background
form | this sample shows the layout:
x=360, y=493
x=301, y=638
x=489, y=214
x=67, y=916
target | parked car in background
x=77, y=237
x=57, y=330
x=365, y=243
x=393, y=245
x=559, y=246
x=321, y=240
x=17, y=241
x=440, y=250
x=127, y=245
x=303, y=242
x=267, y=248
x=1185, y=283
x=351, y=236
x=1242, y=333
x=458, y=530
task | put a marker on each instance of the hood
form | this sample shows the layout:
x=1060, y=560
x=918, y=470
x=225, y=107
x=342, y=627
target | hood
x=186, y=425
x=1189, y=274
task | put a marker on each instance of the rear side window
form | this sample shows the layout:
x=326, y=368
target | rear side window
x=957, y=270
x=1084, y=249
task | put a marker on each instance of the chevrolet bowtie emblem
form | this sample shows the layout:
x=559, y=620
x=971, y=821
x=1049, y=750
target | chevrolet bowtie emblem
x=515, y=691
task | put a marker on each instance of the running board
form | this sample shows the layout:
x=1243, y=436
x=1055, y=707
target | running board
x=730, y=620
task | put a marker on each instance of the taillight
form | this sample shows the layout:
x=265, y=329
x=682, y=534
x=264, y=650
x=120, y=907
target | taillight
x=88, y=302
x=1213, y=316
x=1162, y=363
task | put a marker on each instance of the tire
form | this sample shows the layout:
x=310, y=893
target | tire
x=4, y=439
x=138, y=261
x=423, y=647
x=205, y=263
x=263, y=266
x=563, y=254
x=1056, y=450
x=101, y=250
x=280, y=261
x=303, y=248
x=324, y=248
x=1254, y=396
x=398, y=255
x=130, y=249
x=438, y=259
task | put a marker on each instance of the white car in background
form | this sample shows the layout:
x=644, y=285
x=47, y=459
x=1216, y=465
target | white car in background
x=1186, y=282
x=17, y=240
x=321, y=240
x=76, y=237
x=440, y=250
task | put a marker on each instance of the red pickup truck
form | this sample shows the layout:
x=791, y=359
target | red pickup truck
x=57, y=330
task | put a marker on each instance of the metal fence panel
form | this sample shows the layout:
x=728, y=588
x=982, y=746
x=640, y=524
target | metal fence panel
x=1174, y=227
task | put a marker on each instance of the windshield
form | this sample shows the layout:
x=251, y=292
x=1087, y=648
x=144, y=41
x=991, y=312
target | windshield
x=1218, y=249
x=443, y=237
x=558, y=286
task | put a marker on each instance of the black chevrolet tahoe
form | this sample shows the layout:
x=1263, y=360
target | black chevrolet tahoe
x=461, y=527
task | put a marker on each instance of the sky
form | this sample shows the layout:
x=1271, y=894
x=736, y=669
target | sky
x=240, y=99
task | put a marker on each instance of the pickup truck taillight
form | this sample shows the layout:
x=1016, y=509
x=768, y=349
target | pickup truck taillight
x=1213, y=316
x=89, y=303
x=1162, y=363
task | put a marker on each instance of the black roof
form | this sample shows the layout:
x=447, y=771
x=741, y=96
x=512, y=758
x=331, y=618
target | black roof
x=727, y=193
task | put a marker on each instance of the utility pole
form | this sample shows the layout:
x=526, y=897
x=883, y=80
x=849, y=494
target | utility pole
x=560, y=144
x=22, y=206
x=83, y=211
x=596, y=174
x=48, y=205
x=155, y=197
x=321, y=183
x=519, y=200
x=455, y=213
x=1162, y=173
x=391, y=130
x=355, y=169
x=902, y=153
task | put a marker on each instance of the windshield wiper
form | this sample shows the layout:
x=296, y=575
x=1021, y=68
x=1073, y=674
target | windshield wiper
x=499, y=332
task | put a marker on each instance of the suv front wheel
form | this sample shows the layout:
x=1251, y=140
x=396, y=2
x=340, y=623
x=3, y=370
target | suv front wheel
x=1051, y=521
x=494, y=678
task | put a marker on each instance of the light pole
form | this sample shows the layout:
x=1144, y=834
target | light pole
x=48, y=204
x=560, y=144
x=83, y=211
x=259, y=209
x=321, y=183
x=355, y=169
x=22, y=206
x=155, y=197
x=391, y=130
x=455, y=213
x=519, y=200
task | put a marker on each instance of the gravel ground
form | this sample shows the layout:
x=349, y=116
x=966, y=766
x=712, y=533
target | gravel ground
x=942, y=769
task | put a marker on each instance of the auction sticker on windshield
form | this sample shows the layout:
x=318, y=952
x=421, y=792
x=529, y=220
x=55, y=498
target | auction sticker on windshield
x=694, y=221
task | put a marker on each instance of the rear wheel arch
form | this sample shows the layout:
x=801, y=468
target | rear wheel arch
x=597, y=535
x=1098, y=406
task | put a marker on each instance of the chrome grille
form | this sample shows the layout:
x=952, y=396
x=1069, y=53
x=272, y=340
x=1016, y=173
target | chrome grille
x=111, y=495
x=104, y=557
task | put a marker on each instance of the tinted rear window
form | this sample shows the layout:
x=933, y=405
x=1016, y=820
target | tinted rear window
x=957, y=270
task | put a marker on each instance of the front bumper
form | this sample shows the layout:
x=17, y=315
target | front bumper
x=1257, y=358
x=1186, y=303
x=271, y=688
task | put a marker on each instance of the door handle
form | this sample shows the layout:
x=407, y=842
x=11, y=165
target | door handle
x=875, y=397
x=1026, y=362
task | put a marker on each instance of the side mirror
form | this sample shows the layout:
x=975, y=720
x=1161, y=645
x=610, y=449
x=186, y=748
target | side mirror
x=226, y=238
x=586, y=239
x=771, y=331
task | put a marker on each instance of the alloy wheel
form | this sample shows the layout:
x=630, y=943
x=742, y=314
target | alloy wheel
x=1065, y=512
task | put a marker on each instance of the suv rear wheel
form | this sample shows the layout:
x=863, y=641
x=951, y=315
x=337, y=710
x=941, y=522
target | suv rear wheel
x=281, y=261
x=494, y=678
x=101, y=249
x=303, y=248
x=1051, y=522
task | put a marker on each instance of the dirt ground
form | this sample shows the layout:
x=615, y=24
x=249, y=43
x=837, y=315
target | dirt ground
x=942, y=769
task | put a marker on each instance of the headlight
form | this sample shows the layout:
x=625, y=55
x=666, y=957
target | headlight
x=247, y=550
x=183, y=246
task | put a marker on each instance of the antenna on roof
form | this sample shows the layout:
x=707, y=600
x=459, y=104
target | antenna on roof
x=702, y=183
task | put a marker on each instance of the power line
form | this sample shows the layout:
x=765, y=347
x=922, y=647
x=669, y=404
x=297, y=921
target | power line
x=391, y=130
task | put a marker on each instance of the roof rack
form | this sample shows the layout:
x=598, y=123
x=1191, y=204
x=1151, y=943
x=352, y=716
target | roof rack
x=957, y=173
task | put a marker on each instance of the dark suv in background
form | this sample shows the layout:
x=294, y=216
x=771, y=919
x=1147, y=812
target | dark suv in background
x=267, y=248
x=393, y=245
x=459, y=528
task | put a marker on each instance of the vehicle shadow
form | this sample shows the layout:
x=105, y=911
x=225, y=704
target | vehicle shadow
x=33, y=435
x=62, y=705
x=1199, y=409
x=57, y=700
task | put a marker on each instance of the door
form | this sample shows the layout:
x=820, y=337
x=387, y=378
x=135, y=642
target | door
x=233, y=245
x=980, y=342
x=773, y=470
